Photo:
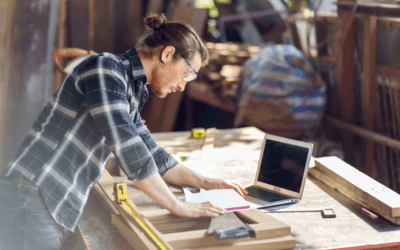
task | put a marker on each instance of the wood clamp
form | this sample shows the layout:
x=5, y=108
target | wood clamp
x=230, y=226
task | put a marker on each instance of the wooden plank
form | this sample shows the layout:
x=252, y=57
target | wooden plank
x=104, y=26
x=368, y=85
x=372, y=192
x=96, y=230
x=6, y=12
x=254, y=216
x=371, y=8
x=365, y=133
x=106, y=182
x=316, y=173
x=274, y=229
x=134, y=236
x=101, y=197
x=346, y=80
x=61, y=40
x=154, y=6
x=135, y=19
x=285, y=242
x=123, y=26
x=90, y=24
x=78, y=23
x=166, y=222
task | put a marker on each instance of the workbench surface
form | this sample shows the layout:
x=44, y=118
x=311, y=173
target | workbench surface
x=234, y=158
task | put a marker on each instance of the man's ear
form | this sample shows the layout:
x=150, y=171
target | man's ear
x=167, y=55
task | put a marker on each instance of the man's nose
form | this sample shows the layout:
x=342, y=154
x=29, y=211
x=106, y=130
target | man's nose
x=181, y=86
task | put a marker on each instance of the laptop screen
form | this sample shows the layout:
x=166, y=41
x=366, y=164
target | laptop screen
x=283, y=165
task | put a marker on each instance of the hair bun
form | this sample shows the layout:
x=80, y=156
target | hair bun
x=155, y=21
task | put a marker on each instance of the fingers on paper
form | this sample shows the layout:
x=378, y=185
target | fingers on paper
x=211, y=210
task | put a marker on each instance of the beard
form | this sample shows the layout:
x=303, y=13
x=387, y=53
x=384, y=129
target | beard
x=156, y=85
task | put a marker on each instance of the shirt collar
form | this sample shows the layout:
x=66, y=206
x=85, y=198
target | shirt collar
x=138, y=72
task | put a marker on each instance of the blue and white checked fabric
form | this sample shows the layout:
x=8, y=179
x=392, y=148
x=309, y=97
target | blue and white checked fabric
x=93, y=114
x=282, y=89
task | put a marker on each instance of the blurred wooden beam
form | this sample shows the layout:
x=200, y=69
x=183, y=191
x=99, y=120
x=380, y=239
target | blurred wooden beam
x=154, y=6
x=346, y=80
x=103, y=26
x=78, y=23
x=364, y=133
x=6, y=13
x=61, y=39
x=368, y=85
x=135, y=19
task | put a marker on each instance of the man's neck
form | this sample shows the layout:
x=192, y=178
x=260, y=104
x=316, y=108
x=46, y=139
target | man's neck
x=148, y=64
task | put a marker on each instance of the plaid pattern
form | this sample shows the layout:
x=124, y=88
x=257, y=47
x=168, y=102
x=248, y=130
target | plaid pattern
x=93, y=114
x=282, y=89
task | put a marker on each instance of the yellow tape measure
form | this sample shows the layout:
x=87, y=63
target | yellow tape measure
x=198, y=133
x=122, y=197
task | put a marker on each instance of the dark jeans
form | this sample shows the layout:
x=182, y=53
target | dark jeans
x=25, y=222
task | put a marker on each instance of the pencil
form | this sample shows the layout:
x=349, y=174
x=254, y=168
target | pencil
x=370, y=214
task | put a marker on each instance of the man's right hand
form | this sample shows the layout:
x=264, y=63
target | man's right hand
x=195, y=210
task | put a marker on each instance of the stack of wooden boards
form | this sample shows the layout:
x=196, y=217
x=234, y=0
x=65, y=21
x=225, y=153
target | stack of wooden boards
x=184, y=233
x=224, y=68
x=357, y=186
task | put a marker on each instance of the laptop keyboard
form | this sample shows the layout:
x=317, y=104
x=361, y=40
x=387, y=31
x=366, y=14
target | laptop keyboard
x=264, y=195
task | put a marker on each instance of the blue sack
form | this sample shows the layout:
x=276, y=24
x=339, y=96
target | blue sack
x=282, y=89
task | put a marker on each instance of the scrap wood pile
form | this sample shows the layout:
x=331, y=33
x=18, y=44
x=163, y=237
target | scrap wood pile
x=224, y=68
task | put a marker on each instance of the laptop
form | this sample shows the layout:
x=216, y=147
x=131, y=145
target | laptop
x=281, y=173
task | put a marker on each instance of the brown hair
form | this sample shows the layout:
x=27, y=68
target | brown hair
x=177, y=34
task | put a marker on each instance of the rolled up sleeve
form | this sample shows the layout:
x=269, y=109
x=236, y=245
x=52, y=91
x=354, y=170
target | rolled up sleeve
x=104, y=88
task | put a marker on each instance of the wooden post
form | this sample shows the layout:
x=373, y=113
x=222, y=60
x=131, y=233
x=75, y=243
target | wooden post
x=368, y=85
x=90, y=21
x=6, y=13
x=62, y=13
x=345, y=75
x=135, y=20
x=78, y=24
x=104, y=26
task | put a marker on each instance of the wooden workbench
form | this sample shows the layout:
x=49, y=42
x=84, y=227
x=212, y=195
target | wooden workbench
x=235, y=158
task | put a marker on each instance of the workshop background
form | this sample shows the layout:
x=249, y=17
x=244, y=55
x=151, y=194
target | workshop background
x=310, y=70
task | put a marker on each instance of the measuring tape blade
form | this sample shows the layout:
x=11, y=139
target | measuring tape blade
x=146, y=228
x=121, y=196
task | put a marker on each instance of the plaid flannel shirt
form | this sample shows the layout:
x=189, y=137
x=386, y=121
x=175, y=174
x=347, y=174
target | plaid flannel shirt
x=93, y=114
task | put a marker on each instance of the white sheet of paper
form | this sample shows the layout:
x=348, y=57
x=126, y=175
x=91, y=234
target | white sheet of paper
x=224, y=198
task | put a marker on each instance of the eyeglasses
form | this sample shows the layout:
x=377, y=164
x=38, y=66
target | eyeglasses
x=192, y=75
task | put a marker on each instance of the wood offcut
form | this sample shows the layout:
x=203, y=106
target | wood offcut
x=357, y=186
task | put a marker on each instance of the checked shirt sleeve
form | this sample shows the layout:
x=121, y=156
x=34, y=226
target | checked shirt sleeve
x=104, y=87
x=163, y=160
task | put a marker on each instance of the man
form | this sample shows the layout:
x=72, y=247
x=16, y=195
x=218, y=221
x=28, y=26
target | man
x=44, y=189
